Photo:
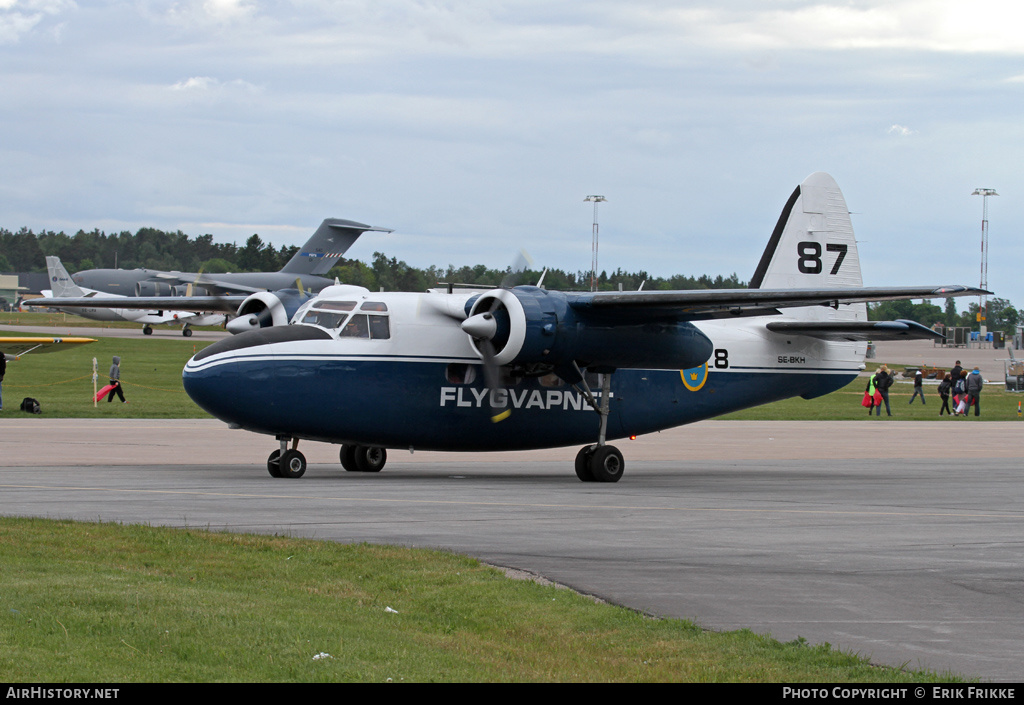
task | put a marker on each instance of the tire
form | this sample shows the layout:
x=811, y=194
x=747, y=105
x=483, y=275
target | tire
x=607, y=465
x=583, y=464
x=187, y=332
x=293, y=464
x=370, y=458
x=274, y=464
x=348, y=458
x=147, y=330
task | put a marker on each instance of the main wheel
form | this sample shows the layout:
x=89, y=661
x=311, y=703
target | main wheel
x=147, y=330
x=370, y=458
x=293, y=464
x=187, y=332
x=606, y=465
x=274, y=463
x=583, y=463
x=348, y=458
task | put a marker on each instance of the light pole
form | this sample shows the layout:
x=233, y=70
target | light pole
x=593, y=256
x=983, y=298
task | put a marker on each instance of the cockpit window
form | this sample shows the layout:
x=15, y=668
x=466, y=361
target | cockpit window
x=336, y=305
x=380, y=329
x=325, y=319
x=357, y=327
x=374, y=306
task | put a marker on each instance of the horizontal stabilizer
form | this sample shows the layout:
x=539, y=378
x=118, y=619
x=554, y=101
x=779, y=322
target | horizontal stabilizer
x=856, y=330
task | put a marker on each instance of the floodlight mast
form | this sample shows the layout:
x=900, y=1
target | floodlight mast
x=593, y=257
x=983, y=298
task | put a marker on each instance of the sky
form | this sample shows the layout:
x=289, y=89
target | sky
x=476, y=129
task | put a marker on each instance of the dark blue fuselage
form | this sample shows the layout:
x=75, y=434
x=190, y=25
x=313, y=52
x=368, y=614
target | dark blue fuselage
x=410, y=402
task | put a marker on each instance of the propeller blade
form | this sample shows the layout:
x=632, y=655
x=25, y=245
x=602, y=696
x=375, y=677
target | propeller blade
x=492, y=379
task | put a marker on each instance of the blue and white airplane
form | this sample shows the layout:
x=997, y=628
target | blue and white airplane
x=523, y=367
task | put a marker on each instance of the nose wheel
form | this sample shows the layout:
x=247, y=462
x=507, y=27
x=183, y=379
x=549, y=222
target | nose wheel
x=287, y=462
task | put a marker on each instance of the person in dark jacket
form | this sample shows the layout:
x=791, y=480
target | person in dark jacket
x=883, y=380
x=954, y=373
x=3, y=370
x=974, y=385
x=944, y=388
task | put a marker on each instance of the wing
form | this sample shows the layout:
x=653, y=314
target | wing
x=704, y=304
x=13, y=348
x=196, y=304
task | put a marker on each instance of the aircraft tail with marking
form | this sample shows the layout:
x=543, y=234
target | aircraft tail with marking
x=813, y=247
x=330, y=241
x=63, y=286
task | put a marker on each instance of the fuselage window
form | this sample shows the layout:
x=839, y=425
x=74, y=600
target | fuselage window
x=374, y=306
x=460, y=373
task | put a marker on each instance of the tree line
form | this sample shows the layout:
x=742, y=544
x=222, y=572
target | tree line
x=25, y=251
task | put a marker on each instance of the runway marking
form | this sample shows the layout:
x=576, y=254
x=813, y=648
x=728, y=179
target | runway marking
x=614, y=507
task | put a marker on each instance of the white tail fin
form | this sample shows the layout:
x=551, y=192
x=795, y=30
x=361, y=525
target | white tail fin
x=813, y=247
x=63, y=286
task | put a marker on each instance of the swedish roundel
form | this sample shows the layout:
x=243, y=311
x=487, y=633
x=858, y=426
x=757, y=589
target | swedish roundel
x=695, y=377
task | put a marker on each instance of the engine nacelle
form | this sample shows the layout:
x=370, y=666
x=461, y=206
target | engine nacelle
x=535, y=326
x=151, y=288
x=265, y=309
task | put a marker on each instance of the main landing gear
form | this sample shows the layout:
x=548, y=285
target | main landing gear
x=600, y=462
x=289, y=462
x=363, y=458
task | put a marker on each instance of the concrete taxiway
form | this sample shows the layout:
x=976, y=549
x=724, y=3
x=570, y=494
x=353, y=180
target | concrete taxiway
x=901, y=541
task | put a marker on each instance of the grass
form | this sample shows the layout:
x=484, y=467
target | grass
x=108, y=603
x=62, y=381
x=845, y=404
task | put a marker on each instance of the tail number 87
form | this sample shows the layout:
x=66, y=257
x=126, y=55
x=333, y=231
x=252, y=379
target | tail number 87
x=809, y=257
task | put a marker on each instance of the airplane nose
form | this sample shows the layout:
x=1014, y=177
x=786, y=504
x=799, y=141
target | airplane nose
x=235, y=379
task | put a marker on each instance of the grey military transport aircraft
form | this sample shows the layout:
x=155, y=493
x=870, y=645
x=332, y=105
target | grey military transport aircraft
x=226, y=291
x=523, y=367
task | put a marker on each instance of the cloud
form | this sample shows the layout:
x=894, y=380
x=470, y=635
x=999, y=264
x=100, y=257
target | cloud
x=901, y=131
x=20, y=17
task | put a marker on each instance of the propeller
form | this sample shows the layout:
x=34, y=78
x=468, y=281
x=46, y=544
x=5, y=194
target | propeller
x=484, y=327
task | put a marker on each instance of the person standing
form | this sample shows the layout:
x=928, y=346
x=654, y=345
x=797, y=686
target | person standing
x=954, y=373
x=944, y=387
x=974, y=385
x=960, y=394
x=870, y=392
x=3, y=370
x=883, y=380
x=918, y=389
x=115, y=379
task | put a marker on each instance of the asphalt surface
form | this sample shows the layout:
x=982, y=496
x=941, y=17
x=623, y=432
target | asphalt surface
x=901, y=541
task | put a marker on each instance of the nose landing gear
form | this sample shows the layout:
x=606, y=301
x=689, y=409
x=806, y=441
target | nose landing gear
x=287, y=462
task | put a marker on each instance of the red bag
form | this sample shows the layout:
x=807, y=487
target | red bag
x=878, y=398
x=103, y=392
x=867, y=400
